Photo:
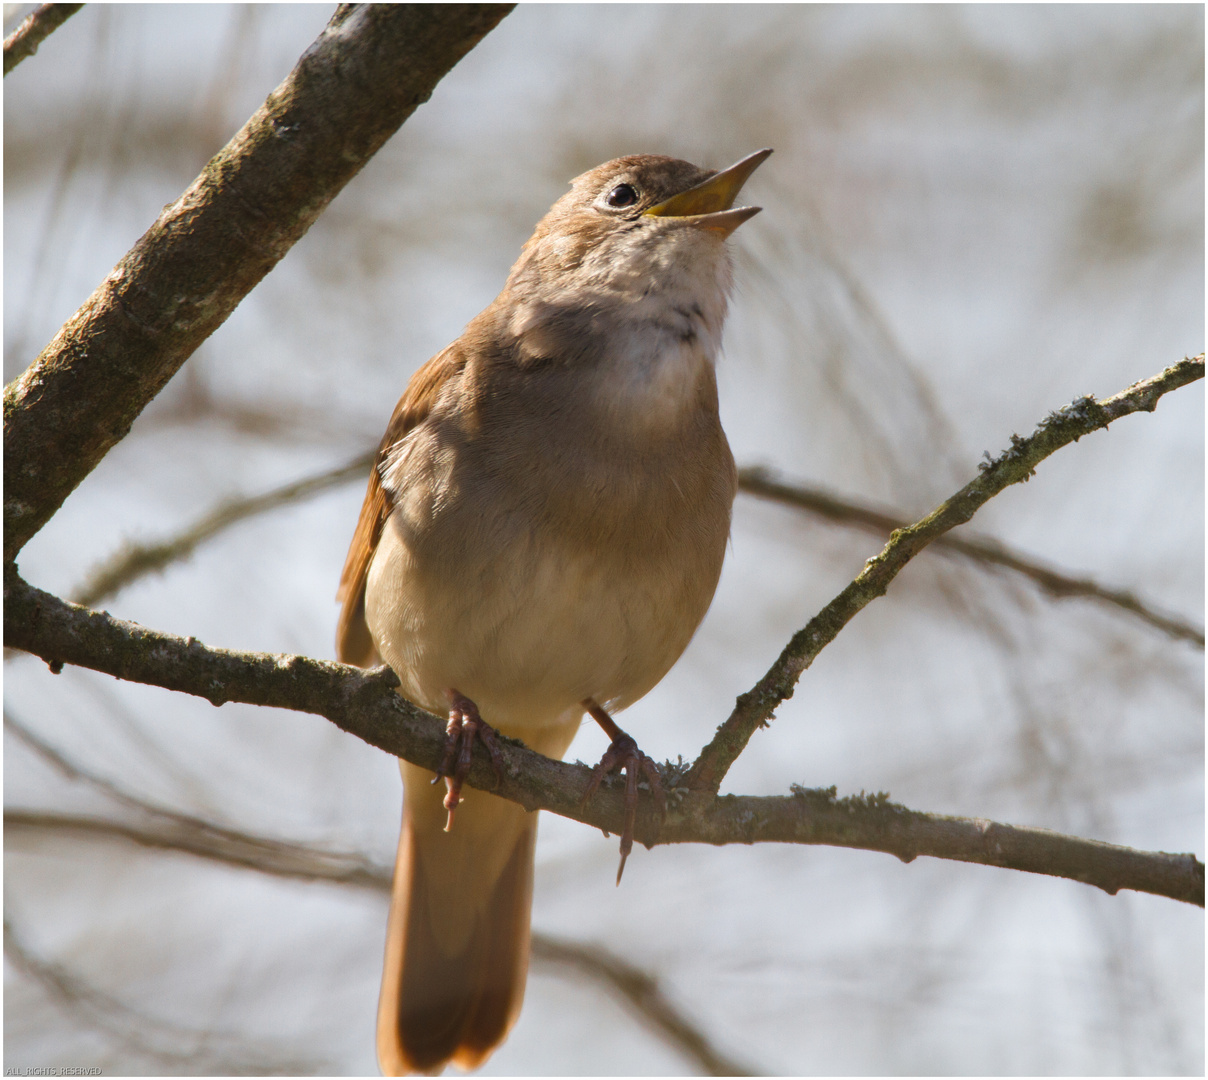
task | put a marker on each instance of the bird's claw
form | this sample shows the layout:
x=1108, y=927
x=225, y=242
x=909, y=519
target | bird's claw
x=465, y=725
x=623, y=753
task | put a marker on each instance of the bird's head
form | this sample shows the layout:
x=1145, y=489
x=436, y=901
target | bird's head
x=636, y=225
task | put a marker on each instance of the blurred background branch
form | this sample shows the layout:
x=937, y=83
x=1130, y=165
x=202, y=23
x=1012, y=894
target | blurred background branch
x=982, y=550
x=133, y=561
x=172, y=1048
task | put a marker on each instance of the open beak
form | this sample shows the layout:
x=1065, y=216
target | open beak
x=708, y=204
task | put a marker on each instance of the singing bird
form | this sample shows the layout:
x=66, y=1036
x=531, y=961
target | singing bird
x=543, y=532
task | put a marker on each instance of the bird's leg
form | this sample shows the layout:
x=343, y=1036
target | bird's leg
x=623, y=753
x=464, y=726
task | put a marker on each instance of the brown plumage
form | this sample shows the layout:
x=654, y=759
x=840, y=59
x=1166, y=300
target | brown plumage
x=353, y=642
x=544, y=528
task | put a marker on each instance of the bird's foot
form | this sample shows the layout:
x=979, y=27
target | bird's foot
x=623, y=753
x=465, y=725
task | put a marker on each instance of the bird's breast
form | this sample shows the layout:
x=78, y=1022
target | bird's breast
x=554, y=564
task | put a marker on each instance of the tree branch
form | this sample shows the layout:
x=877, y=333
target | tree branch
x=755, y=708
x=35, y=28
x=873, y=823
x=202, y=839
x=984, y=550
x=185, y=832
x=364, y=703
x=351, y=90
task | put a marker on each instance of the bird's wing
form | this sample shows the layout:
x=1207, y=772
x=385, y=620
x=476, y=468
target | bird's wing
x=354, y=645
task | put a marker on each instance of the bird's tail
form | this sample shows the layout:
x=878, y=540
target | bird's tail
x=457, y=943
x=458, y=938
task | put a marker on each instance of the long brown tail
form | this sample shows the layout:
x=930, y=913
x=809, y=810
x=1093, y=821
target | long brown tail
x=457, y=943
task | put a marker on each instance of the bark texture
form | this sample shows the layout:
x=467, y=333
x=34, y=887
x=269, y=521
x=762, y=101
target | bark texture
x=350, y=91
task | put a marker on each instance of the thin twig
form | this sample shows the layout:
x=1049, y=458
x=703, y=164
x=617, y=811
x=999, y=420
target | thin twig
x=35, y=28
x=133, y=561
x=755, y=708
x=983, y=550
x=193, y=836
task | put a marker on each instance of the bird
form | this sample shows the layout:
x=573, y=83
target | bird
x=543, y=531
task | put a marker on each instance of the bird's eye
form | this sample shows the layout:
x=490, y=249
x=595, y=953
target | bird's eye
x=622, y=195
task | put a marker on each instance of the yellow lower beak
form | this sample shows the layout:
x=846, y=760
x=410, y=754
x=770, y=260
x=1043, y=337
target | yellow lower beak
x=708, y=203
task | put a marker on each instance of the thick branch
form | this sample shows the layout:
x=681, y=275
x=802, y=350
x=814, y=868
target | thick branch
x=35, y=28
x=364, y=75
x=365, y=704
x=755, y=708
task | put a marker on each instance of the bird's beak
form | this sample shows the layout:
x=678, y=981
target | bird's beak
x=708, y=204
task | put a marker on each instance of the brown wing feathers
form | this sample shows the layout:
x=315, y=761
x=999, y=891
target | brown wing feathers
x=354, y=645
